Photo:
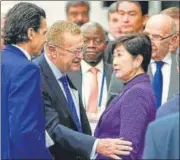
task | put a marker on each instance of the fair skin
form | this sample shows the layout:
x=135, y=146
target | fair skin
x=67, y=61
x=66, y=56
x=162, y=29
x=131, y=17
x=2, y=26
x=114, y=25
x=125, y=66
x=36, y=39
x=78, y=14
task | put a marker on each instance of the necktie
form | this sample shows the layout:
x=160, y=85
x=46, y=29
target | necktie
x=92, y=106
x=158, y=83
x=71, y=105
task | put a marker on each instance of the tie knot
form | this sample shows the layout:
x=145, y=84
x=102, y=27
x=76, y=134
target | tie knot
x=94, y=70
x=63, y=80
x=159, y=64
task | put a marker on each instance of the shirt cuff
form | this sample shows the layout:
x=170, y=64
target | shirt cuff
x=93, y=152
x=49, y=141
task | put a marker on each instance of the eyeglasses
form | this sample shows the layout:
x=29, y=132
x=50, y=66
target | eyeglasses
x=157, y=37
x=75, y=52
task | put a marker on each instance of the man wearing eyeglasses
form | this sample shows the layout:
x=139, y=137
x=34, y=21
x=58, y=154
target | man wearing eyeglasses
x=66, y=120
x=93, y=79
x=161, y=29
x=165, y=80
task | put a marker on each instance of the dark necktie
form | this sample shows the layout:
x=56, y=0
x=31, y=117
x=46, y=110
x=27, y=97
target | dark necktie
x=70, y=102
x=158, y=83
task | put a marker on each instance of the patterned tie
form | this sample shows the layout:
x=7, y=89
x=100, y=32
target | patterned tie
x=92, y=106
x=71, y=105
x=158, y=83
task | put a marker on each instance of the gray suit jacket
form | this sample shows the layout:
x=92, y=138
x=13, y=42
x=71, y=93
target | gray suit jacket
x=162, y=139
x=76, y=77
x=69, y=144
x=116, y=84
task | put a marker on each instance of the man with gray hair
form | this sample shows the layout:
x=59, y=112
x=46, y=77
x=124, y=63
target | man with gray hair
x=77, y=11
x=114, y=23
x=66, y=120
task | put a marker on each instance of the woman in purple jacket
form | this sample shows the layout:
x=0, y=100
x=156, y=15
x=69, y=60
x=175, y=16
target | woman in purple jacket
x=129, y=114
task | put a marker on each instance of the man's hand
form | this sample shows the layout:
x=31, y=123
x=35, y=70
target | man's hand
x=114, y=148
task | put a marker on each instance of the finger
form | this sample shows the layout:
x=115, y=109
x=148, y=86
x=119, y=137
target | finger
x=123, y=153
x=125, y=148
x=113, y=156
x=124, y=142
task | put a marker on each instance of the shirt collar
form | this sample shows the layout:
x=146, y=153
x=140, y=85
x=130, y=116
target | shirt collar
x=85, y=67
x=167, y=59
x=24, y=51
x=111, y=37
x=57, y=73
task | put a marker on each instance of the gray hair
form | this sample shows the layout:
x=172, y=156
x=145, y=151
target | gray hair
x=76, y=3
x=112, y=8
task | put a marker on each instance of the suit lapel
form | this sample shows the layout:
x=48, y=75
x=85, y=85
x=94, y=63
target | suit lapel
x=54, y=85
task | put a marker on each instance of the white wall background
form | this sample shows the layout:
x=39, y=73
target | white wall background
x=55, y=10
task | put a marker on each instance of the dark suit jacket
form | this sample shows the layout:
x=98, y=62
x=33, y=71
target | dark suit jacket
x=76, y=77
x=116, y=84
x=162, y=138
x=22, y=117
x=128, y=115
x=68, y=144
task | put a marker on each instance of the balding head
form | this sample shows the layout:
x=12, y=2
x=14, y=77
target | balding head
x=95, y=39
x=162, y=21
x=89, y=27
x=161, y=29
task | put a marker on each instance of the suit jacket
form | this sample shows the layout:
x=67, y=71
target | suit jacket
x=22, y=117
x=59, y=122
x=162, y=138
x=170, y=107
x=129, y=115
x=76, y=77
x=116, y=84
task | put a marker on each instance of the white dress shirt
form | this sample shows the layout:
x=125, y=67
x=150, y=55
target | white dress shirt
x=75, y=97
x=86, y=86
x=166, y=72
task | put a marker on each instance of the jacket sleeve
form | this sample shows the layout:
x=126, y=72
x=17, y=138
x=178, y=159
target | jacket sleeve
x=67, y=138
x=27, y=123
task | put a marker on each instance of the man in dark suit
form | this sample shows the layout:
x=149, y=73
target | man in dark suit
x=171, y=106
x=23, y=123
x=164, y=32
x=95, y=40
x=66, y=120
x=162, y=139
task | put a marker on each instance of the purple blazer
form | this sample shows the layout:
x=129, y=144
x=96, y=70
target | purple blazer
x=128, y=115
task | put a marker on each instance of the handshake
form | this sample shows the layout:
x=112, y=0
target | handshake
x=114, y=148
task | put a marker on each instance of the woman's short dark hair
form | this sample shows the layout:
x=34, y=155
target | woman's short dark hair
x=19, y=19
x=137, y=44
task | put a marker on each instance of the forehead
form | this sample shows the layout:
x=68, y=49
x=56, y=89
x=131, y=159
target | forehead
x=129, y=6
x=72, y=40
x=78, y=8
x=114, y=15
x=93, y=32
x=159, y=28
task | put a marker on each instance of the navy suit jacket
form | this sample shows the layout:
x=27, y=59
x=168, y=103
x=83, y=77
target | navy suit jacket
x=162, y=138
x=69, y=143
x=22, y=117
